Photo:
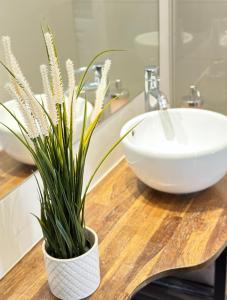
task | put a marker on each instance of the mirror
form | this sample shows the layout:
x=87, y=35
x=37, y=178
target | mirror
x=200, y=49
x=82, y=28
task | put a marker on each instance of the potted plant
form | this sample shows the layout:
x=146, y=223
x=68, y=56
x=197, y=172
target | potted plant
x=70, y=248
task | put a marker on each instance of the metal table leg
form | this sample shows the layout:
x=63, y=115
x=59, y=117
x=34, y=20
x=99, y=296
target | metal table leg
x=220, y=276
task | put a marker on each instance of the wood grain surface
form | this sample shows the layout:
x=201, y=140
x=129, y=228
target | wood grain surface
x=12, y=173
x=143, y=235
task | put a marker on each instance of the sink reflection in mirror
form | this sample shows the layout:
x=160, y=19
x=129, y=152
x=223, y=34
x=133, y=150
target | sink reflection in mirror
x=10, y=143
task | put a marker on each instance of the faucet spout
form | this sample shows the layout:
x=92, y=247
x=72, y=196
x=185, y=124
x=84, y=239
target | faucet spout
x=163, y=102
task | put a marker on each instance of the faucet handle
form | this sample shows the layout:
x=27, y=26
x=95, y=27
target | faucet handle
x=195, y=93
x=194, y=98
x=152, y=76
x=152, y=71
x=97, y=69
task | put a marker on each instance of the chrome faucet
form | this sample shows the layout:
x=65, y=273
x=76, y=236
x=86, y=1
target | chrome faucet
x=193, y=99
x=91, y=86
x=154, y=98
x=97, y=70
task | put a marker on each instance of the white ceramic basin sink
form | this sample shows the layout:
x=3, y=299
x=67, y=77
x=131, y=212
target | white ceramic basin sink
x=178, y=150
x=14, y=147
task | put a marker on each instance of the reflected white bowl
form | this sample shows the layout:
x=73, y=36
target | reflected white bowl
x=147, y=45
x=13, y=147
x=178, y=150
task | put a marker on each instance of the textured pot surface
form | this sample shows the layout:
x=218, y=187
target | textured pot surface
x=75, y=278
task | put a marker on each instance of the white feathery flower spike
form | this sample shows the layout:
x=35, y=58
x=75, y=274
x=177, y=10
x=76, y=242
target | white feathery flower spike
x=32, y=105
x=70, y=73
x=71, y=82
x=28, y=120
x=37, y=111
x=102, y=89
x=55, y=71
x=50, y=101
x=7, y=49
x=42, y=119
x=22, y=87
x=12, y=62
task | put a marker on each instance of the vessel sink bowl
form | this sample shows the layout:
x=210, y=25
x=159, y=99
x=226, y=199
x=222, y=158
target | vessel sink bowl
x=180, y=150
x=13, y=147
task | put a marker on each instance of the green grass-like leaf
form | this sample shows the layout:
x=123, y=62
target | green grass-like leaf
x=62, y=199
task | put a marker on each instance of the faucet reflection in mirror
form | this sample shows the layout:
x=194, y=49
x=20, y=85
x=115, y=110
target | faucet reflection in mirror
x=115, y=89
x=47, y=132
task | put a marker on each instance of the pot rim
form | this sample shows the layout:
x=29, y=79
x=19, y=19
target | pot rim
x=77, y=257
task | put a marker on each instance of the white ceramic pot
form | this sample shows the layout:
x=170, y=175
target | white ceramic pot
x=75, y=278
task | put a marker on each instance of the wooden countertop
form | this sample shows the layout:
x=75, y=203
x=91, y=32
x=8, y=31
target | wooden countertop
x=143, y=235
x=12, y=173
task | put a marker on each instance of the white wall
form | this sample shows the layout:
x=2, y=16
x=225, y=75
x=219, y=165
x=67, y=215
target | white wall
x=21, y=20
